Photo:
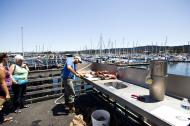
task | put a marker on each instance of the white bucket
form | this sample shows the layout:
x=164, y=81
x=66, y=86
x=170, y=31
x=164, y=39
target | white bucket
x=100, y=118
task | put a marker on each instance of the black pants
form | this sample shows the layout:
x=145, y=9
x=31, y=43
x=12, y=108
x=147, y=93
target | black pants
x=8, y=105
x=1, y=117
x=1, y=112
x=19, y=95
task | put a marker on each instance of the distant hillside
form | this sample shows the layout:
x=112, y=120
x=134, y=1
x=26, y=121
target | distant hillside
x=144, y=49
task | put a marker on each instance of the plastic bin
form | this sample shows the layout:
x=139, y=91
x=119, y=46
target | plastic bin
x=100, y=118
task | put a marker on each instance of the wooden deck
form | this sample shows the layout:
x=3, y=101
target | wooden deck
x=47, y=113
x=44, y=113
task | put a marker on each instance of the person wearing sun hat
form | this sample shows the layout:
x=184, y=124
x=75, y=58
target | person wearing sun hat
x=19, y=73
x=68, y=75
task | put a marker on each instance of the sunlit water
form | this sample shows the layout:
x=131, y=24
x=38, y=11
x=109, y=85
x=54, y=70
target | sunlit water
x=179, y=68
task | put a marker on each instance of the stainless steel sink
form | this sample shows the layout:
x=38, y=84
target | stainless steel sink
x=116, y=85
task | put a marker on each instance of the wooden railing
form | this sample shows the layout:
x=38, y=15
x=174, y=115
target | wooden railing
x=47, y=84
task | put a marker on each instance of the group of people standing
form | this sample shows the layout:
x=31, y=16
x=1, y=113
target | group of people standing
x=14, y=79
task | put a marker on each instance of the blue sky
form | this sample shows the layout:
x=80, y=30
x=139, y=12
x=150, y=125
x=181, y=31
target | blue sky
x=62, y=25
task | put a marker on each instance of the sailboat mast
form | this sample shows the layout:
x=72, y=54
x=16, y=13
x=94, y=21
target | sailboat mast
x=166, y=44
x=22, y=41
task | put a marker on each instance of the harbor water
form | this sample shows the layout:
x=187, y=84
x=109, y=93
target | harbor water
x=178, y=68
